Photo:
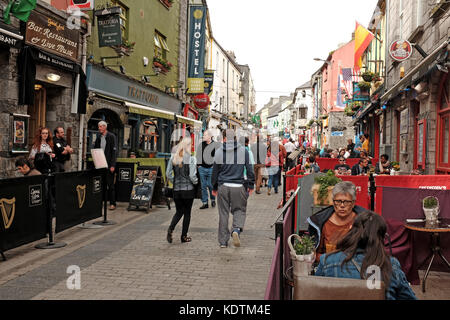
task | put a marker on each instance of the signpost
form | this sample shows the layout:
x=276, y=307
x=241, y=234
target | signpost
x=400, y=50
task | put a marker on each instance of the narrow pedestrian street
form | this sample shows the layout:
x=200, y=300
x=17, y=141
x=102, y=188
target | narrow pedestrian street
x=136, y=262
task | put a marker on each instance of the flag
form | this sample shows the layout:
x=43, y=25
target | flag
x=21, y=9
x=340, y=96
x=363, y=38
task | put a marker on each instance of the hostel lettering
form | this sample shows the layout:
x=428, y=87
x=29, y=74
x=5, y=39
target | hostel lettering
x=142, y=95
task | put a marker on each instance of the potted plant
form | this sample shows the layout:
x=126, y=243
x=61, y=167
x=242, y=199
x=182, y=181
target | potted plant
x=323, y=188
x=364, y=86
x=302, y=254
x=348, y=111
x=431, y=208
x=368, y=76
x=395, y=168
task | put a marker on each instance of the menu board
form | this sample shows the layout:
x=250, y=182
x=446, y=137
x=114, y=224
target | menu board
x=143, y=187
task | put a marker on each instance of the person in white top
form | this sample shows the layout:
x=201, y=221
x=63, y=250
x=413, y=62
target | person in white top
x=290, y=147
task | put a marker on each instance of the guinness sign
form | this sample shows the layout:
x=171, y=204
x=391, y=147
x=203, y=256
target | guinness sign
x=8, y=208
x=81, y=193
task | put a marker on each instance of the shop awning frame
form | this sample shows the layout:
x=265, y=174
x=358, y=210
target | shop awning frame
x=189, y=121
x=148, y=111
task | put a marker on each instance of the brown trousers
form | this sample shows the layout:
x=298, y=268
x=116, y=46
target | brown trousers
x=258, y=176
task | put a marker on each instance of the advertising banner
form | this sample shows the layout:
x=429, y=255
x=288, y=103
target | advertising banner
x=79, y=198
x=124, y=181
x=23, y=210
x=209, y=82
x=197, y=34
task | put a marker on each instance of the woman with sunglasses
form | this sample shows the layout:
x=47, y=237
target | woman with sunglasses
x=333, y=223
x=42, y=152
x=361, y=252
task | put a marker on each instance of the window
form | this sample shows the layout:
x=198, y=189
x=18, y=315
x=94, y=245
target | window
x=123, y=19
x=161, y=47
x=232, y=79
x=148, y=133
x=421, y=143
x=303, y=113
x=223, y=70
x=443, y=148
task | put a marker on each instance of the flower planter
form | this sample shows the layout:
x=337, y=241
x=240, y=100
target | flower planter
x=367, y=78
x=431, y=214
x=328, y=201
x=302, y=263
x=160, y=66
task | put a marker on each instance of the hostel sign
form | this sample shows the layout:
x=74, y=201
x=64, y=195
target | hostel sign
x=197, y=28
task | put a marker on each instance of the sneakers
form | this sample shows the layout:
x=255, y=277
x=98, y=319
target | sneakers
x=213, y=204
x=223, y=246
x=268, y=192
x=236, y=239
x=204, y=206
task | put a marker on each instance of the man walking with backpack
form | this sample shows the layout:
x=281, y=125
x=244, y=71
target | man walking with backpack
x=230, y=186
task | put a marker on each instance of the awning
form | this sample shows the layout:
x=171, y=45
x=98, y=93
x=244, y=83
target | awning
x=147, y=111
x=189, y=121
x=407, y=79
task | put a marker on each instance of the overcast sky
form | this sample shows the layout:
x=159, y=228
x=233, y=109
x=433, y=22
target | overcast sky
x=279, y=39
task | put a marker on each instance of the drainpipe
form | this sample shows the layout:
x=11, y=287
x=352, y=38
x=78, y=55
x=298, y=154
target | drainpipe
x=82, y=116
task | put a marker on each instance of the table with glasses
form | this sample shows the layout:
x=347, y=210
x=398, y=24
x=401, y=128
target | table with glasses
x=434, y=229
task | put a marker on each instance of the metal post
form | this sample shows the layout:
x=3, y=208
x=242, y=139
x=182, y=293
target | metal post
x=284, y=189
x=105, y=221
x=51, y=203
x=372, y=190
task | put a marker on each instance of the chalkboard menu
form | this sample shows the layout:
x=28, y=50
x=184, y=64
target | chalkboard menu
x=143, y=187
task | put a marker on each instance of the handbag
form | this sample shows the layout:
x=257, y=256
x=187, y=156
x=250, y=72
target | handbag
x=198, y=187
x=167, y=191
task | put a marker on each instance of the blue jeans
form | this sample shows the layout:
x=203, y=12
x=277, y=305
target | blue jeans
x=205, y=179
x=274, y=178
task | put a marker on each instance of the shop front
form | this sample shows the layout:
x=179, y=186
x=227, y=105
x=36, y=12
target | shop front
x=142, y=117
x=40, y=91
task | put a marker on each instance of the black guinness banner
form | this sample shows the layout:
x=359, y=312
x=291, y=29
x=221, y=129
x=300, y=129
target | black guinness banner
x=79, y=198
x=23, y=210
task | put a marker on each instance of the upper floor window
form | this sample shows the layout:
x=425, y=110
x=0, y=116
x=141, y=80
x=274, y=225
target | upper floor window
x=124, y=25
x=161, y=47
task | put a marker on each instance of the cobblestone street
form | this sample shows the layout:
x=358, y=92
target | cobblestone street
x=136, y=262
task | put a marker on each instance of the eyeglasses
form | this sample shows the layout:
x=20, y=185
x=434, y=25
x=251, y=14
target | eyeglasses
x=342, y=202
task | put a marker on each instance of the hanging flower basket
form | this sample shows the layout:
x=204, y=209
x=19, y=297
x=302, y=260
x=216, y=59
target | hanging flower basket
x=364, y=86
x=368, y=76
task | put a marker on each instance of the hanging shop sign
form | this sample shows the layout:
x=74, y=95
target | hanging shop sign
x=83, y=4
x=400, y=50
x=209, y=81
x=109, y=32
x=197, y=28
x=201, y=101
x=52, y=36
x=359, y=95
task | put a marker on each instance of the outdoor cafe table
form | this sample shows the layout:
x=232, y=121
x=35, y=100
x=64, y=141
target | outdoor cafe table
x=434, y=229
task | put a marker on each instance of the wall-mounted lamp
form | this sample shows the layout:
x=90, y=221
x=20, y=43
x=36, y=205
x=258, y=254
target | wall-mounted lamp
x=326, y=61
x=53, y=77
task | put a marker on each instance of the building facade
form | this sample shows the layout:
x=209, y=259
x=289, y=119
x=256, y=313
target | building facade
x=39, y=86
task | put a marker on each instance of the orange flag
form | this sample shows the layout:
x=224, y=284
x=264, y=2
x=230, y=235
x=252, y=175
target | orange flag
x=363, y=38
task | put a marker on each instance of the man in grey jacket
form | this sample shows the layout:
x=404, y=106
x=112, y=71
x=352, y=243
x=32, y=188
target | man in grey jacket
x=230, y=186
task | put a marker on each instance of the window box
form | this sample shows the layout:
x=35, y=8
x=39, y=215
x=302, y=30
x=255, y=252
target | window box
x=167, y=3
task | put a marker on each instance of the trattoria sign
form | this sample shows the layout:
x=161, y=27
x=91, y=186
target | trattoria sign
x=52, y=35
x=400, y=50
x=197, y=28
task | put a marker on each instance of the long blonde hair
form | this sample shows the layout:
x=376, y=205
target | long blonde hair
x=184, y=146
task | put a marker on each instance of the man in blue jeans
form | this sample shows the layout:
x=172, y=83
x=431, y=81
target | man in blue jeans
x=205, y=168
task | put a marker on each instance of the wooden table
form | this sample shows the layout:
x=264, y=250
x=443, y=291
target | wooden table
x=435, y=229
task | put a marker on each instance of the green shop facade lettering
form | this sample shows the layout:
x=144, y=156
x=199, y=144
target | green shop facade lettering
x=143, y=95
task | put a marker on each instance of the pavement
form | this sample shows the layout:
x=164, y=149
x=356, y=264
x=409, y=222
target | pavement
x=132, y=260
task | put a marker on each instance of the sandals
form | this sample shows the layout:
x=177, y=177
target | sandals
x=169, y=236
x=185, y=239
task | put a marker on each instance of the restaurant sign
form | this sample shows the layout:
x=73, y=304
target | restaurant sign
x=10, y=38
x=109, y=32
x=400, y=50
x=52, y=35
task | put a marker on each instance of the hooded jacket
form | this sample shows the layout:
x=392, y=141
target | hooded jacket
x=229, y=163
x=317, y=221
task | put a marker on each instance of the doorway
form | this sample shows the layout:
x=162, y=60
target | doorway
x=37, y=112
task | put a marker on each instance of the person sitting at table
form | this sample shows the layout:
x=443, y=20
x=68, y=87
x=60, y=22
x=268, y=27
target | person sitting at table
x=384, y=166
x=342, y=169
x=359, y=251
x=311, y=166
x=361, y=168
x=328, y=226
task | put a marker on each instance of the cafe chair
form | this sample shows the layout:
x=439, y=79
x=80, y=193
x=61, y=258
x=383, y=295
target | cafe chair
x=325, y=288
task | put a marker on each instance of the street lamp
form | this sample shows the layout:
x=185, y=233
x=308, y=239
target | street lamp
x=326, y=61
